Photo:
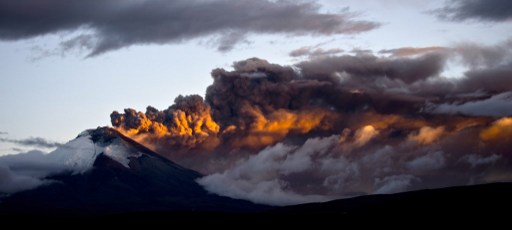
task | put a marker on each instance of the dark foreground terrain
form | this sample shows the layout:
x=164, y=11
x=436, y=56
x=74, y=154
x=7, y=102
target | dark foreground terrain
x=465, y=205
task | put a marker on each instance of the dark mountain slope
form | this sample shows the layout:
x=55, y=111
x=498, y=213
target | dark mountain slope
x=151, y=189
x=475, y=200
x=150, y=183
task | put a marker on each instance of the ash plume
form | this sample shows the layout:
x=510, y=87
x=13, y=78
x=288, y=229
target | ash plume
x=339, y=126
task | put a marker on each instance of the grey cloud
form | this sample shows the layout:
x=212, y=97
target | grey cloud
x=228, y=41
x=271, y=175
x=23, y=171
x=358, y=51
x=487, y=81
x=369, y=67
x=17, y=150
x=322, y=169
x=33, y=141
x=82, y=42
x=481, y=56
x=303, y=51
x=476, y=160
x=394, y=183
x=417, y=72
x=480, y=10
x=28, y=170
x=3, y=133
x=428, y=162
x=33, y=163
x=498, y=105
x=114, y=24
x=313, y=52
x=261, y=177
x=492, y=80
x=11, y=182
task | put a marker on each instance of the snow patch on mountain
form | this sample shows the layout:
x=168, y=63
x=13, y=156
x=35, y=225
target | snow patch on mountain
x=120, y=154
x=77, y=155
x=31, y=169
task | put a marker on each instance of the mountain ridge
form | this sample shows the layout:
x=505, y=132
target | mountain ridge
x=151, y=187
x=148, y=182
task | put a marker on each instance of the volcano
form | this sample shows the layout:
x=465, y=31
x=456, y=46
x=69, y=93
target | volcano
x=115, y=179
x=117, y=175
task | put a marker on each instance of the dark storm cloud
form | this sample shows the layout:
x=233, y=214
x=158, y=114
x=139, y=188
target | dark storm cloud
x=499, y=106
x=478, y=56
x=368, y=67
x=481, y=10
x=114, y=24
x=33, y=141
x=418, y=71
x=494, y=80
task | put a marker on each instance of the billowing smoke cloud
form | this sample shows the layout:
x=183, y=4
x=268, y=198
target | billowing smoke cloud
x=339, y=126
x=481, y=10
x=185, y=126
x=499, y=130
x=113, y=24
x=33, y=142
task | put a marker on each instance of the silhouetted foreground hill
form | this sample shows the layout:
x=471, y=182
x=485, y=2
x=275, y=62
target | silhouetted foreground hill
x=471, y=200
x=488, y=204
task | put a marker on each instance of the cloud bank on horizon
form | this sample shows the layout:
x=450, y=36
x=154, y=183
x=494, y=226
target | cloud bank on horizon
x=31, y=169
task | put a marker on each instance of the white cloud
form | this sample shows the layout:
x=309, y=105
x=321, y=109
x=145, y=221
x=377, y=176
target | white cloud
x=28, y=170
x=13, y=182
x=262, y=177
x=475, y=160
x=395, y=183
x=428, y=162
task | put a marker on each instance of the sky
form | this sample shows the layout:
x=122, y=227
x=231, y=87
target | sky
x=54, y=89
x=277, y=102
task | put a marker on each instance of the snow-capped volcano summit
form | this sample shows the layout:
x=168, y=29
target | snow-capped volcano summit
x=106, y=172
